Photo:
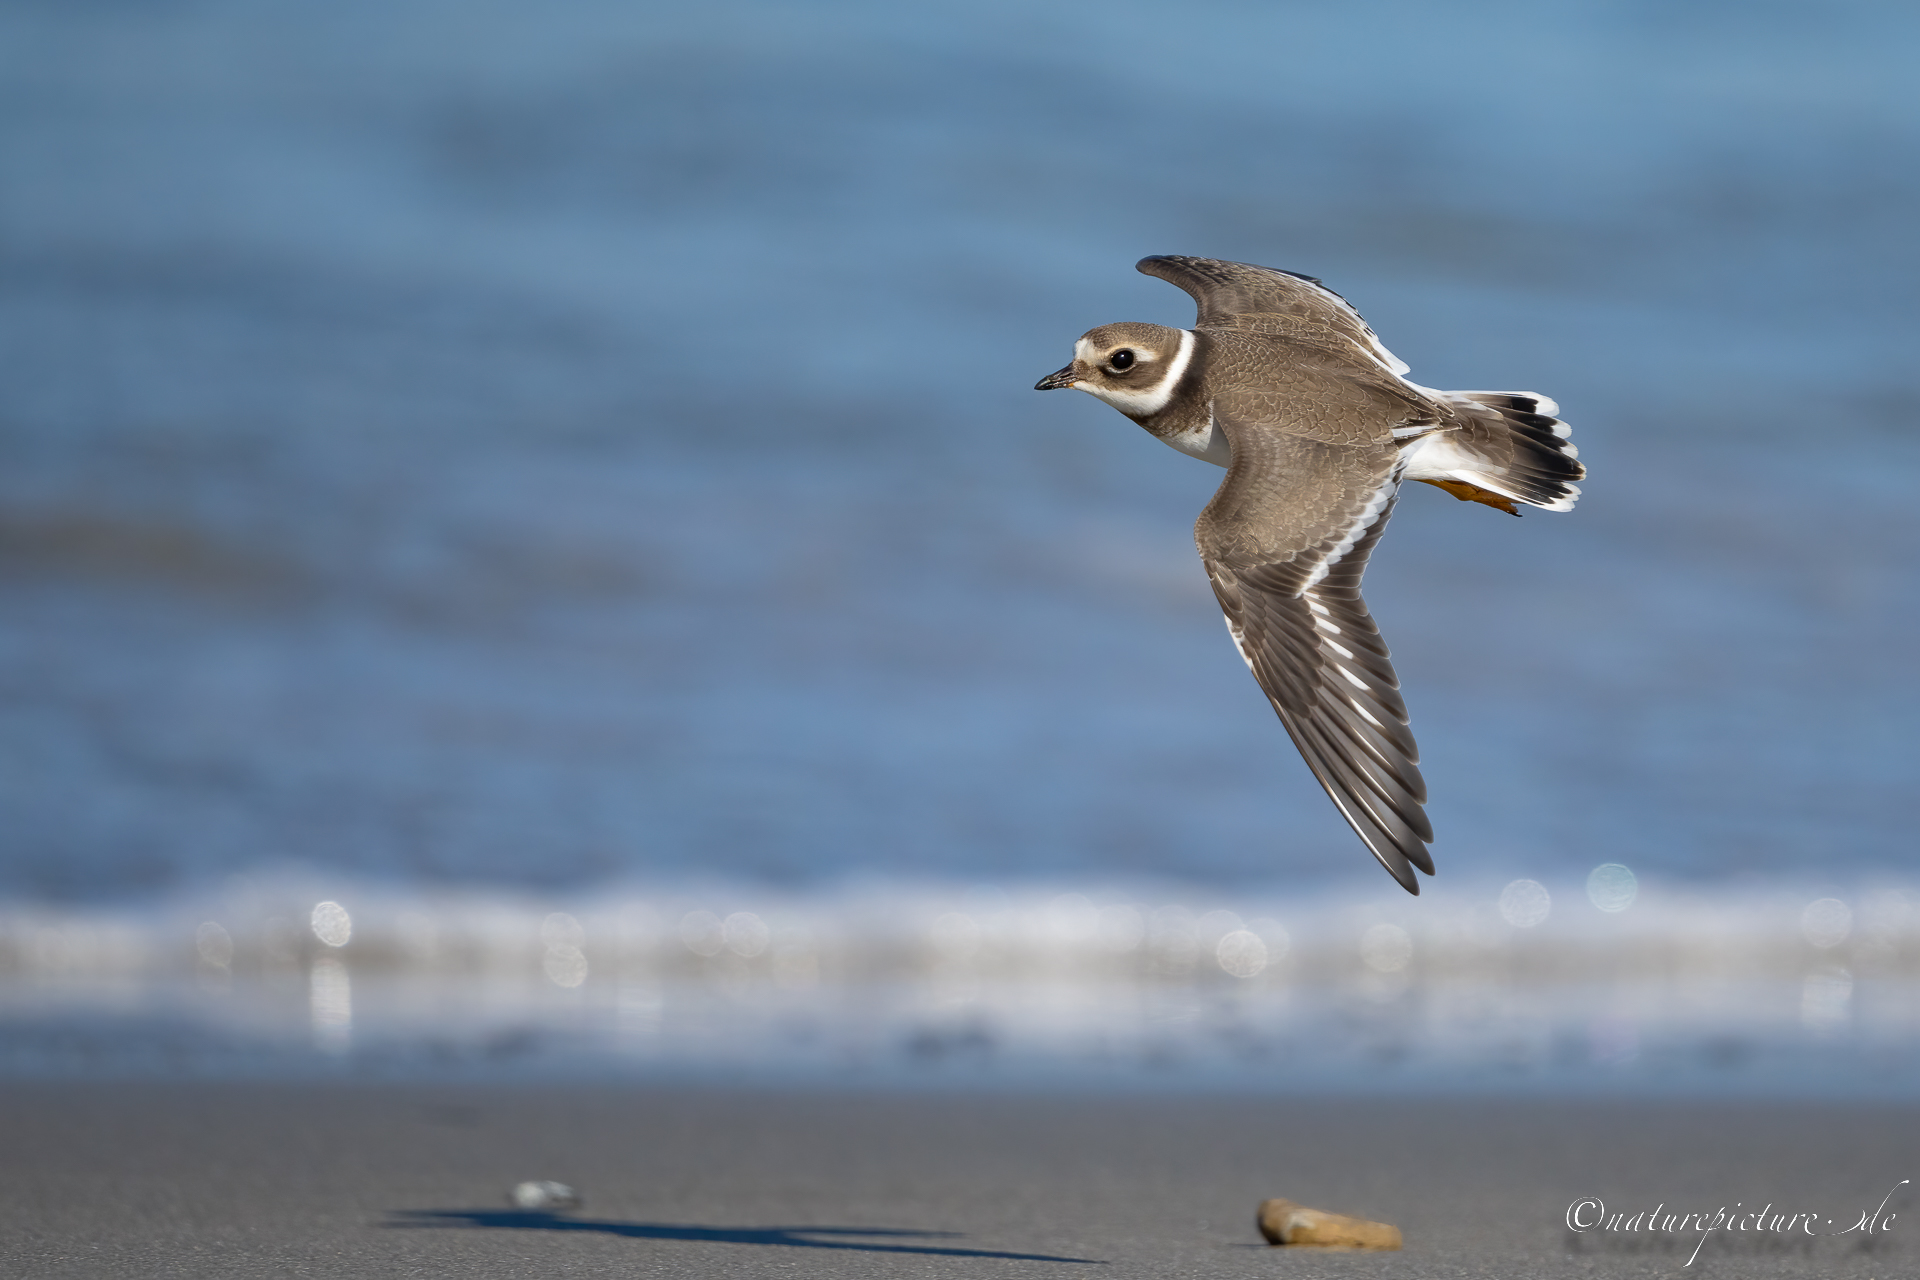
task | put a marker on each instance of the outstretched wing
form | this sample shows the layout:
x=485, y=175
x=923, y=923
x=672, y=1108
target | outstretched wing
x=1239, y=295
x=1285, y=541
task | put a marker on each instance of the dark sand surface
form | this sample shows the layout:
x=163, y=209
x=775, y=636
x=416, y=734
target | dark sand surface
x=290, y=1179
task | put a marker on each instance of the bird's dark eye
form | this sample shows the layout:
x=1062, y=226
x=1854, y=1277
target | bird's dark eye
x=1121, y=360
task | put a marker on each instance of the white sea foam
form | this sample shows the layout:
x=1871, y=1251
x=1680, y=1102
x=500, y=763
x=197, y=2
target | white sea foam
x=1681, y=987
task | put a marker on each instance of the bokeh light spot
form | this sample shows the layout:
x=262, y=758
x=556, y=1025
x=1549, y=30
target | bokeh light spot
x=1241, y=953
x=1612, y=887
x=1525, y=903
x=746, y=934
x=565, y=965
x=331, y=924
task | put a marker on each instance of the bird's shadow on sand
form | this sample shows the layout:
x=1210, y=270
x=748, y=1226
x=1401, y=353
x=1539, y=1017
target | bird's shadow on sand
x=791, y=1237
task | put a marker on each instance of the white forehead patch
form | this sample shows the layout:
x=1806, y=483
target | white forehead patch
x=1149, y=398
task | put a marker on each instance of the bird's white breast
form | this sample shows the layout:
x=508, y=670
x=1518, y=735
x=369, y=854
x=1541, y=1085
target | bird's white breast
x=1206, y=442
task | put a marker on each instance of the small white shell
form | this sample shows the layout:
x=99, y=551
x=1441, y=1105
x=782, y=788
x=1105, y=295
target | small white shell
x=544, y=1197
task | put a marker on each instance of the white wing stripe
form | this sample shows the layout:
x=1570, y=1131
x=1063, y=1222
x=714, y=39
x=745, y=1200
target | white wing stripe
x=1355, y=531
x=1239, y=641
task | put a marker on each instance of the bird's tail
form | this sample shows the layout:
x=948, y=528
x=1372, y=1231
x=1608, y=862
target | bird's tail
x=1501, y=447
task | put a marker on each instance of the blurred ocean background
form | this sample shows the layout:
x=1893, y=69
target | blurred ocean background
x=525, y=534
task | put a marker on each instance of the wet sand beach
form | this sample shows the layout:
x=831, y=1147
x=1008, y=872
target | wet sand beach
x=367, y=1180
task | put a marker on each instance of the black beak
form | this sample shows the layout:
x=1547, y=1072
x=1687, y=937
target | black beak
x=1056, y=380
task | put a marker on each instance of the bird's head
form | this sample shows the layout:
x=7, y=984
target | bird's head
x=1133, y=367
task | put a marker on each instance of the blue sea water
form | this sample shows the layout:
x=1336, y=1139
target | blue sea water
x=553, y=454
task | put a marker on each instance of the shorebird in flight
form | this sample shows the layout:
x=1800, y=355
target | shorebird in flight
x=1283, y=384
